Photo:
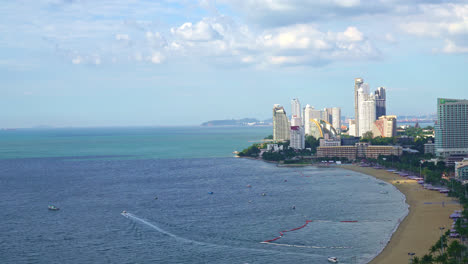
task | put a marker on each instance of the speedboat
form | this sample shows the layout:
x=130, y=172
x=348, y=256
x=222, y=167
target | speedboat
x=124, y=213
x=53, y=208
x=333, y=259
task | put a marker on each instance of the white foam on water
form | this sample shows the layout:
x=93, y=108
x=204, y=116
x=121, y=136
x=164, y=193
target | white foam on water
x=190, y=241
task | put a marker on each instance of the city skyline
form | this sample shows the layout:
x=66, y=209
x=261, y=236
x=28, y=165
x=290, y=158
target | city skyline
x=123, y=63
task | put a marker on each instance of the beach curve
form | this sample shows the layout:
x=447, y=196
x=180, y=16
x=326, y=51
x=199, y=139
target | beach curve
x=419, y=230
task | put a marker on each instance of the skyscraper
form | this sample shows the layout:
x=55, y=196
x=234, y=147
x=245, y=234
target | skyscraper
x=366, y=107
x=336, y=118
x=380, y=99
x=308, y=112
x=296, y=109
x=280, y=124
x=327, y=115
x=451, y=129
x=357, y=84
x=297, y=137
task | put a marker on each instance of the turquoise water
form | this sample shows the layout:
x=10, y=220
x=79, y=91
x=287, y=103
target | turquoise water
x=143, y=142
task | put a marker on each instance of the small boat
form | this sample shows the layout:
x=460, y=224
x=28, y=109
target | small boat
x=249, y=186
x=210, y=192
x=53, y=208
x=124, y=213
x=333, y=259
x=263, y=194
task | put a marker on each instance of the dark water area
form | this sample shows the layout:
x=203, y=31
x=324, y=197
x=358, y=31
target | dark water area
x=204, y=212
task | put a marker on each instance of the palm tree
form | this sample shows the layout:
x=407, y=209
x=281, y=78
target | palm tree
x=442, y=259
x=427, y=259
x=455, y=251
x=416, y=260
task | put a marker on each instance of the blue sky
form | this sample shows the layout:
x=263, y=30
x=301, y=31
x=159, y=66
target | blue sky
x=181, y=62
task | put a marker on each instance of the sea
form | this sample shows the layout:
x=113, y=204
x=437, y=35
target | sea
x=187, y=200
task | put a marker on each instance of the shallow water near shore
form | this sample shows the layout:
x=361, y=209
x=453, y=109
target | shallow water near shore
x=196, y=210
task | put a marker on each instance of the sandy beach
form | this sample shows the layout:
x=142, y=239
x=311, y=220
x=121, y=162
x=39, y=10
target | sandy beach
x=428, y=211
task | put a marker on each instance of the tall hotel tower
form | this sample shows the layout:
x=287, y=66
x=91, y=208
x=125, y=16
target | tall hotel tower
x=451, y=129
x=296, y=110
x=336, y=118
x=280, y=124
x=357, y=84
x=380, y=108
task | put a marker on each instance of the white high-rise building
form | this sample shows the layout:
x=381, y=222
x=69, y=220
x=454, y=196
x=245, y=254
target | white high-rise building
x=357, y=84
x=352, y=128
x=280, y=124
x=297, y=140
x=296, y=109
x=336, y=118
x=366, y=106
x=308, y=112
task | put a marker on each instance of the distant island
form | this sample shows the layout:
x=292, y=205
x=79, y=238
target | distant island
x=239, y=122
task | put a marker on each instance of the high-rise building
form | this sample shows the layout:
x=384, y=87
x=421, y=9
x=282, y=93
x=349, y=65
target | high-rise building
x=380, y=99
x=308, y=111
x=385, y=126
x=352, y=127
x=296, y=109
x=280, y=124
x=451, y=129
x=296, y=121
x=297, y=140
x=357, y=84
x=327, y=115
x=366, y=106
x=336, y=118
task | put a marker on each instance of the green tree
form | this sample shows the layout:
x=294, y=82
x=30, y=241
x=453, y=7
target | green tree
x=312, y=143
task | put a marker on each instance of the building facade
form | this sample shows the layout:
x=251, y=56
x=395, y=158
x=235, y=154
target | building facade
x=348, y=152
x=296, y=109
x=357, y=85
x=297, y=137
x=380, y=102
x=451, y=129
x=336, y=118
x=352, y=127
x=461, y=171
x=366, y=104
x=429, y=148
x=280, y=124
x=385, y=126
x=359, y=150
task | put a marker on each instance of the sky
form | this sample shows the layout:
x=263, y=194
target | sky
x=72, y=63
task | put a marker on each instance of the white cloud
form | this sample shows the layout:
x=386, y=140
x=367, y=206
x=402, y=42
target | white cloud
x=306, y=44
x=201, y=31
x=451, y=47
x=347, y=3
x=351, y=34
x=122, y=37
x=157, y=58
x=447, y=21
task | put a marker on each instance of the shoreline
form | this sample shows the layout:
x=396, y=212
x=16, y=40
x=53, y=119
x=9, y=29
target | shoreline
x=419, y=230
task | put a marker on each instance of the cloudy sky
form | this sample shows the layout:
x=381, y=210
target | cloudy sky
x=182, y=62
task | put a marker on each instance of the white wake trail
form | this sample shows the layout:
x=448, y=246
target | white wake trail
x=134, y=217
x=190, y=241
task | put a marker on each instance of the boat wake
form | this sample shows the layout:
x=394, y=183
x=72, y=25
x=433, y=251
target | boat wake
x=157, y=228
x=190, y=241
